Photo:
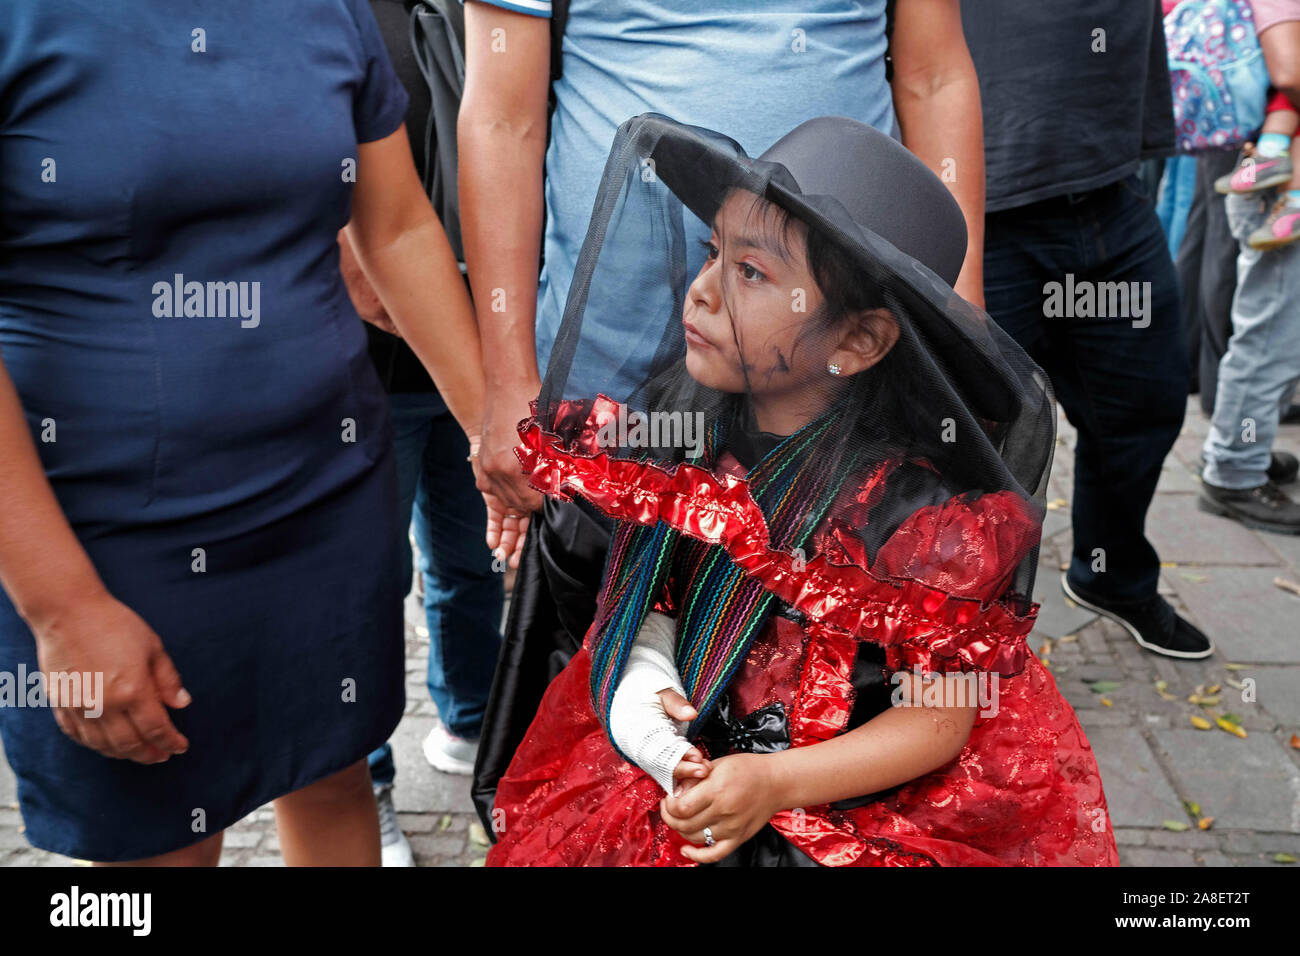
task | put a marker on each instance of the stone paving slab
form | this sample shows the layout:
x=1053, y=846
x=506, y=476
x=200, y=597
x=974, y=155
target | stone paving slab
x=1250, y=784
x=1183, y=534
x=1136, y=789
x=1248, y=618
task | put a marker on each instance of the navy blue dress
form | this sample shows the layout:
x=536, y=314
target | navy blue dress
x=172, y=177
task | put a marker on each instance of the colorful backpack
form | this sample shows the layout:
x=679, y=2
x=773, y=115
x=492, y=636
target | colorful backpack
x=1220, y=83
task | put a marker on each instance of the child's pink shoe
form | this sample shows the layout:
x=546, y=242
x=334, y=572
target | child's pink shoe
x=1255, y=173
x=1281, y=227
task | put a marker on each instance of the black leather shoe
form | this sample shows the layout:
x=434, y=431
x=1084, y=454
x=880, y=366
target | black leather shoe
x=1282, y=467
x=1152, y=622
x=1266, y=508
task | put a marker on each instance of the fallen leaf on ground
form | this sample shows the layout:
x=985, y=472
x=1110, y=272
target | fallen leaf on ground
x=477, y=834
x=1287, y=585
x=1235, y=729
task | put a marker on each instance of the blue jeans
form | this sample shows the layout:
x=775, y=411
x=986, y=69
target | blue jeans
x=463, y=596
x=1263, y=358
x=1122, y=382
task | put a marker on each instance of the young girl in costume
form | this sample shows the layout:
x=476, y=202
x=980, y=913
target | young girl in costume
x=827, y=470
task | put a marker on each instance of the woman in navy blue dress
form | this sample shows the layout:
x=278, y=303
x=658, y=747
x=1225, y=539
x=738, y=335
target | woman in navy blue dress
x=197, y=492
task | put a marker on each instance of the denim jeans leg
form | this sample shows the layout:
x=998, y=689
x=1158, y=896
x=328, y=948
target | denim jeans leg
x=1122, y=383
x=463, y=594
x=1263, y=356
x=1130, y=380
x=412, y=416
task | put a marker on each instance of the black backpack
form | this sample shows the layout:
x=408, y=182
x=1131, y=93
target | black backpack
x=438, y=38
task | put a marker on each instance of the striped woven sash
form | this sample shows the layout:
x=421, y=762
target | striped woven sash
x=720, y=609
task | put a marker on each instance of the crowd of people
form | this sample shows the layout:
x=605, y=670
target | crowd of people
x=418, y=262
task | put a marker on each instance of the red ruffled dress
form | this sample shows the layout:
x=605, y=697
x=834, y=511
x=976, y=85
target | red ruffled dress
x=1025, y=790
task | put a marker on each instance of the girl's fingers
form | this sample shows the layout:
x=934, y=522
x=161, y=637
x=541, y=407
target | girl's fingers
x=691, y=804
x=693, y=823
x=710, y=854
x=676, y=706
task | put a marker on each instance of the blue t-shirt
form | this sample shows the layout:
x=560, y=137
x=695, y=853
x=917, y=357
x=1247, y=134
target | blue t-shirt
x=751, y=69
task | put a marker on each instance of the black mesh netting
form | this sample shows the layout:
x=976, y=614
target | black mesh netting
x=712, y=305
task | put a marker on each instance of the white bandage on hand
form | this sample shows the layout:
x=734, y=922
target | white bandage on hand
x=637, y=720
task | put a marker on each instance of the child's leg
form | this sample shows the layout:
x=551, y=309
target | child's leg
x=1293, y=187
x=1285, y=121
x=1280, y=123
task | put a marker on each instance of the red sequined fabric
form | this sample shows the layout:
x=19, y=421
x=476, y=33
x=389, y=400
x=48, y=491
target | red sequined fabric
x=1025, y=790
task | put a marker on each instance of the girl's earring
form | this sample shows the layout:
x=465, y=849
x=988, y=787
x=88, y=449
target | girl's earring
x=833, y=368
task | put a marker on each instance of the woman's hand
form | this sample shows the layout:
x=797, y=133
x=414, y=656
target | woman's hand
x=102, y=636
x=737, y=797
x=499, y=473
x=505, y=530
x=364, y=298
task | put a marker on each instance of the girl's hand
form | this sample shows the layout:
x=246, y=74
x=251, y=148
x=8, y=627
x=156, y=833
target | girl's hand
x=102, y=637
x=691, y=769
x=736, y=798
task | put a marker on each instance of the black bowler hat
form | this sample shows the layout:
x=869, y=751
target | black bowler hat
x=823, y=163
x=865, y=191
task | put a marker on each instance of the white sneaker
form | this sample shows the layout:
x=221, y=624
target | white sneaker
x=449, y=753
x=395, y=847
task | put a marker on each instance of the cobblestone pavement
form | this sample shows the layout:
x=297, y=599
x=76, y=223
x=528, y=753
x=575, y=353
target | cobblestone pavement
x=1161, y=773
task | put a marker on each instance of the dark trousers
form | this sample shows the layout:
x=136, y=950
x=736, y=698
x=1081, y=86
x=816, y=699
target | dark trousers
x=551, y=608
x=1207, y=276
x=1121, y=380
